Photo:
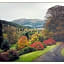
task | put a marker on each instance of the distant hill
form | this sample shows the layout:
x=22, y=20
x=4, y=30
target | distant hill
x=33, y=23
x=13, y=24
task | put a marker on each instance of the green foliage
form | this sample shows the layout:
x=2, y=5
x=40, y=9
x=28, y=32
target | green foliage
x=26, y=50
x=28, y=33
x=5, y=45
x=13, y=46
x=1, y=50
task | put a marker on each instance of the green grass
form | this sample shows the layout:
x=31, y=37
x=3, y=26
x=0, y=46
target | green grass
x=13, y=46
x=62, y=52
x=33, y=55
x=1, y=50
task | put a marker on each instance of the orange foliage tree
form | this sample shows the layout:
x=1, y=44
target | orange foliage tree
x=22, y=42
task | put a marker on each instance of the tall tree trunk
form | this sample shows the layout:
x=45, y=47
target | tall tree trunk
x=1, y=33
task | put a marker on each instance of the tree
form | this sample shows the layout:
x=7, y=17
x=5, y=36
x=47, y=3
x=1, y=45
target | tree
x=5, y=45
x=22, y=42
x=47, y=34
x=1, y=33
x=34, y=38
x=55, y=21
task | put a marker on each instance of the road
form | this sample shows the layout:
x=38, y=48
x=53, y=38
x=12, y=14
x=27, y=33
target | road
x=52, y=56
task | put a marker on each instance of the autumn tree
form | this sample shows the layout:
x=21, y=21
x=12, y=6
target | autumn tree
x=34, y=38
x=47, y=34
x=55, y=21
x=22, y=42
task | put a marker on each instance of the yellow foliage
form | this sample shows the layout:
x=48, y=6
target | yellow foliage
x=34, y=37
x=5, y=36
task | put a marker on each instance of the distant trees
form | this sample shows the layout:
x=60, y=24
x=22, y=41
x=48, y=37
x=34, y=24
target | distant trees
x=12, y=35
x=55, y=21
x=10, y=31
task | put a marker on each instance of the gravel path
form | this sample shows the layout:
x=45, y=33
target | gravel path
x=52, y=56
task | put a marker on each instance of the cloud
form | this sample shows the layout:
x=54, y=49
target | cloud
x=11, y=11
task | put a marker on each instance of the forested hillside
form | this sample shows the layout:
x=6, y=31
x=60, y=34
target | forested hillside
x=11, y=30
x=33, y=23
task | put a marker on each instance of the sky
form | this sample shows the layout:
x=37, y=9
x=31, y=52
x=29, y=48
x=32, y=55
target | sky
x=12, y=11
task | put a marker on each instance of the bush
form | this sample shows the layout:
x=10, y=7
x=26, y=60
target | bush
x=10, y=55
x=41, y=38
x=37, y=45
x=5, y=45
x=13, y=55
x=26, y=50
x=22, y=42
x=50, y=41
x=4, y=56
x=34, y=38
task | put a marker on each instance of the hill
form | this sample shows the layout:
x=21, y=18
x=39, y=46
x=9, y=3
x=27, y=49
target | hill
x=33, y=23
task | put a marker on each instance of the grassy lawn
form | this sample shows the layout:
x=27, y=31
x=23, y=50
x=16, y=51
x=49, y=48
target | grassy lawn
x=62, y=52
x=33, y=55
x=13, y=46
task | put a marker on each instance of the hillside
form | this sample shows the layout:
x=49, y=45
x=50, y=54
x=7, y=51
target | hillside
x=11, y=30
x=13, y=24
x=33, y=23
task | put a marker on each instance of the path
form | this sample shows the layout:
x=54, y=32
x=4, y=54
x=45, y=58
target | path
x=52, y=56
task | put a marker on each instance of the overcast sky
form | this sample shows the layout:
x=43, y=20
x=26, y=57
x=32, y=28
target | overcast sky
x=12, y=11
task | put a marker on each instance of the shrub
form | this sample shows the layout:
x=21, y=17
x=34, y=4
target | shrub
x=45, y=42
x=26, y=50
x=5, y=45
x=22, y=42
x=10, y=55
x=44, y=45
x=13, y=55
x=34, y=38
x=50, y=41
x=37, y=45
x=4, y=56
x=41, y=38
